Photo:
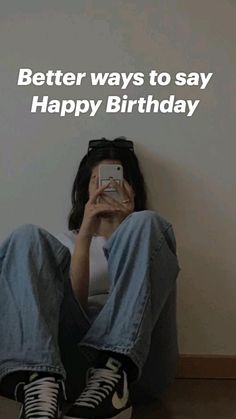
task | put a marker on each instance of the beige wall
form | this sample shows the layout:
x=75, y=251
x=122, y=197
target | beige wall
x=189, y=163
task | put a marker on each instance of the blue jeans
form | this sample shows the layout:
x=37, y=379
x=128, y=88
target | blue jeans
x=44, y=328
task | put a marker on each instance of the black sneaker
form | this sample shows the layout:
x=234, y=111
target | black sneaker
x=106, y=394
x=42, y=398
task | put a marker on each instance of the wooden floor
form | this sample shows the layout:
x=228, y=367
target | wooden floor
x=185, y=399
x=193, y=399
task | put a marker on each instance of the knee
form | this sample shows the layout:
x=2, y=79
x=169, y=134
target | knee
x=26, y=231
x=148, y=221
x=143, y=216
x=150, y=218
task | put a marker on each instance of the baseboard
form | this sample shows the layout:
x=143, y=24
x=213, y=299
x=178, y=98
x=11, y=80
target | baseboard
x=207, y=366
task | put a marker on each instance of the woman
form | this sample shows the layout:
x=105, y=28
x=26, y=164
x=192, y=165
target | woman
x=110, y=303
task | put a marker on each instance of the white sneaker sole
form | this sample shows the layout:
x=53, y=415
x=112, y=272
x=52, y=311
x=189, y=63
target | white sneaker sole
x=125, y=414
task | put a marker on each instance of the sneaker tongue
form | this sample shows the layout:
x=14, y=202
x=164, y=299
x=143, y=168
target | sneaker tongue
x=37, y=375
x=34, y=376
x=113, y=364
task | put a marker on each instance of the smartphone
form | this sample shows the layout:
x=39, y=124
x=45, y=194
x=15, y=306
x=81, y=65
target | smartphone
x=109, y=172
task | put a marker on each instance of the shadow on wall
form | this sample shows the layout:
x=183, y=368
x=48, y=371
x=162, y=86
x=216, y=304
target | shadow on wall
x=200, y=211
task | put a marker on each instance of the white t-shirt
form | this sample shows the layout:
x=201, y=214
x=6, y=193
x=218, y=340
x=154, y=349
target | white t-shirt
x=99, y=282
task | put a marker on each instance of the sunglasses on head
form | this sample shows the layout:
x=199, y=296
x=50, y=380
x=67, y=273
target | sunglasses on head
x=117, y=143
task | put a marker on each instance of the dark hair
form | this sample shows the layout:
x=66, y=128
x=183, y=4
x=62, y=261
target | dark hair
x=132, y=173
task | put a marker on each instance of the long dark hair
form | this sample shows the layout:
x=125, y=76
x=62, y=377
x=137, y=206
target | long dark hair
x=131, y=170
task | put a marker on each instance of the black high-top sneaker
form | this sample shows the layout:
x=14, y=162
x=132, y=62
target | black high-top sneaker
x=42, y=398
x=106, y=394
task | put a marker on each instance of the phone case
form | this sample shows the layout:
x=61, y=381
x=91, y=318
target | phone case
x=108, y=172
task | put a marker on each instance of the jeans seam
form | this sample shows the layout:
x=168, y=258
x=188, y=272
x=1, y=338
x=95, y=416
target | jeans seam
x=62, y=252
x=147, y=295
x=146, y=299
x=159, y=245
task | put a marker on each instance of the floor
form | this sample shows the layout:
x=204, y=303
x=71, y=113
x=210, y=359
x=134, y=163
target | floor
x=194, y=399
x=185, y=399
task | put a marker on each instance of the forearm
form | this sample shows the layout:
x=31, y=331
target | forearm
x=79, y=270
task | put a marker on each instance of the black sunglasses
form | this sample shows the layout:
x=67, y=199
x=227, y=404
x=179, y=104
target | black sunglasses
x=103, y=143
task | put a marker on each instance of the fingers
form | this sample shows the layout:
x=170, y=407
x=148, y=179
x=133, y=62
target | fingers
x=98, y=192
x=110, y=200
x=129, y=189
x=126, y=192
x=124, y=208
x=99, y=209
x=120, y=189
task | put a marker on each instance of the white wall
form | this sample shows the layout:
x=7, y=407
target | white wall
x=188, y=162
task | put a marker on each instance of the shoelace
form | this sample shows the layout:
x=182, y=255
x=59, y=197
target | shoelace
x=94, y=392
x=41, y=398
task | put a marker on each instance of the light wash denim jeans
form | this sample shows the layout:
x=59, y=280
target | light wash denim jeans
x=44, y=328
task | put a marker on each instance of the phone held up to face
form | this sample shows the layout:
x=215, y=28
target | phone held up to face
x=108, y=172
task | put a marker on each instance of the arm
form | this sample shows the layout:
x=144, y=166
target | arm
x=79, y=269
